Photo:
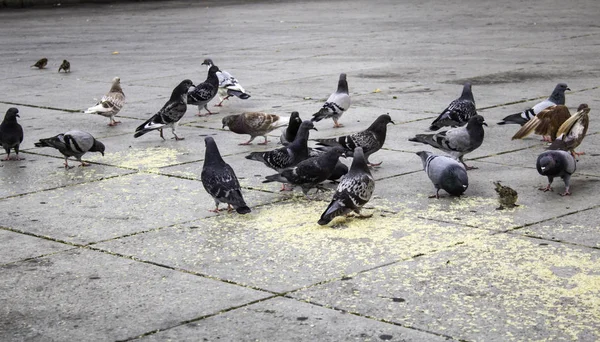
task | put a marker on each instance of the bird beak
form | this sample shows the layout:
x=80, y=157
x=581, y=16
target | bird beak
x=484, y=124
x=102, y=153
x=392, y=122
x=17, y=115
x=315, y=128
x=568, y=88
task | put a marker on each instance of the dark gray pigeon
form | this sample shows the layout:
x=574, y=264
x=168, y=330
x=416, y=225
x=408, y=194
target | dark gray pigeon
x=556, y=163
x=458, y=111
x=445, y=173
x=371, y=139
x=228, y=85
x=73, y=143
x=291, y=130
x=340, y=168
x=336, y=104
x=310, y=172
x=353, y=192
x=170, y=114
x=556, y=98
x=289, y=155
x=220, y=181
x=205, y=91
x=456, y=141
x=11, y=133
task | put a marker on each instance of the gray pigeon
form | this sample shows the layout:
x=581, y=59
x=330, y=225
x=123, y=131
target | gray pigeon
x=228, y=85
x=291, y=130
x=340, y=168
x=458, y=111
x=110, y=105
x=445, y=173
x=220, y=181
x=73, y=143
x=556, y=163
x=456, y=141
x=254, y=123
x=371, y=139
x=11, y=133
x=205, y=91
x=353, y=192
x=310, y=172
x=336, y=104
x=170, y=114
x=556, y=98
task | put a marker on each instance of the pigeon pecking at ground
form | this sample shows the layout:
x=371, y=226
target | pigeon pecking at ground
x=228, y=85
x=170, y=114
x=458, y=111
x=201, y=94
x=371, y=139
x=111, y=103
x=65, y=66
x=456, y=141
x=255, y=124
x=556, y=98
x=556, y=163
x=353, y=192
x=73, y=143
x=288, y=135
x=310, y=172
x=41, y=64
x=220, y=181
x=336, y=104
x=11, y=133
x=445, y=173
x=545, y=123
x=507, y=196
x=572, y=131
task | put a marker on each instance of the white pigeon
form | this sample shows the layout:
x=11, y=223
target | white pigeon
x=228, y=85
x=111, y=103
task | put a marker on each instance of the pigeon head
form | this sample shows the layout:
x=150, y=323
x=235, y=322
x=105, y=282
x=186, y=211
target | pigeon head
x=382, y=120
x=359, y=162
x=97, y=147
x=11, y=114
x=476, y=121
x=558, y=94
x=339, y=151
x=208, y=62
x=424, y=155
x=295, y=117
x=212, y=154
x=467, y=92
x=181, y=90
x=583, y=106
x=228, y=120
x=547, y=164
x=116, y=80
x=342, y=84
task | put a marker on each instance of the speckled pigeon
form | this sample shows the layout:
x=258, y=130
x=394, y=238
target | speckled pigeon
x=201, y=94
x=458, y=111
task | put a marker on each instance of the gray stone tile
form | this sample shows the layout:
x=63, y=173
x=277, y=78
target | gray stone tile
x=15, y=246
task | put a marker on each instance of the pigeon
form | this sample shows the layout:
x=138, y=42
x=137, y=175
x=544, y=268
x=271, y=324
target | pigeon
x=371, y=139
x=201, y=94
x=572, y=131
x=336, y=104
x=556, y=163
x=340, y=168
x=73, y=143
x=254, y=123
x=65, y=66
x=228, y=85
x=170, y=114
x=353, y=192
x=456, y=141
x=310, y=172
x=556, y=98
x=507, y=196
x=41, y=64
x=545, y=123
x=111, y=103
x=289, y=155
x=445, y=173
x=11, y=133
x=292, y=128
x=458, y=111
x=220, y=181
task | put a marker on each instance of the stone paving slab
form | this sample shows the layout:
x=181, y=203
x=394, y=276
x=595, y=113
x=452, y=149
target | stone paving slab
x=17, y=247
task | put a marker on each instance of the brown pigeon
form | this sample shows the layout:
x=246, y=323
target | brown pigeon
x=545, y=123
x=254, y=123
x=572, y=131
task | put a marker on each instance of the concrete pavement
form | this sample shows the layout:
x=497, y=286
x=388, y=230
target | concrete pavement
x=127, y=249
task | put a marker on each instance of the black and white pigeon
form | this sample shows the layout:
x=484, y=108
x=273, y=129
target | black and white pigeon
x=458, y=111
x=371, y=139
x=556, y=98
x=110, y=105
x=255, y=124
x=220, y=180
x=445, y=173
x=170, y=114
x=556, y=163
x=291, y=130
x=310, y=172
x=73, y=143
x=201, y=94
x=456, y=141
x=228, y=85
x=11, y=133
x=336, y=104
x=65, y=66
x=353, y=192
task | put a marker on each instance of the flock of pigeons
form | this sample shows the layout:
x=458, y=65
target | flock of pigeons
x=296, y=164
